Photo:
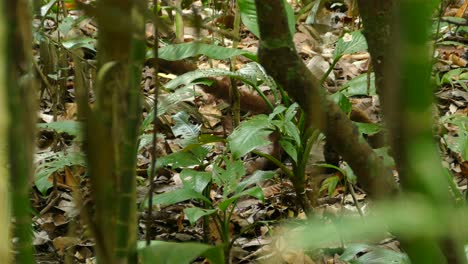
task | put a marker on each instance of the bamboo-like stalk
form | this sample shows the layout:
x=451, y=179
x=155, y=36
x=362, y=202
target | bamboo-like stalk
x=127, y=224
x=113, y=126
x=20, y=92
x=235, y=94
x=4, y=173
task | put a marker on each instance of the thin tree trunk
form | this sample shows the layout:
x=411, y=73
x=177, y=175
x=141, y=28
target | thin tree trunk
x=20, y=98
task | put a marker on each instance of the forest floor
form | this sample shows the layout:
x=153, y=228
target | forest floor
x=62, y=187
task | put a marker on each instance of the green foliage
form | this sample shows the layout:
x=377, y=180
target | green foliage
x=366, y=254
x=416, y=218
x=80, y=42
x=350, y=43
x=249, y=16
x=161, y=252
x=342, y=101
x=51, y=164
x=456, y=76
x=458, y=143
x=47, y=8
x=69, y=127
x=359, y=86
x=182, y=51
x=184, y=129
x=250, y=135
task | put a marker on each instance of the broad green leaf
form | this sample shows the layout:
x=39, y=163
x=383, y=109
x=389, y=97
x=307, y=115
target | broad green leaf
x=66, y=25
x=190, y=77
x=185, y=129
x=368, y=129
x=195, y=180
x=383, y=256
x=178, y=196
x=329, y=184
x=167, y=103
x=255, y=72
x=289, y=148
x=359, y=85
x=326, y=165
x=366, y=254
x=278, y=110
x=458, y=144
x=249, y=16
x=46, y=8
x=350, y=43
x=256, y=177
x=195, y=213
x=250, y=135
x=182, y=51
x=80, y=42
x=72, y=128
x=229, y=177
x=58, y=161
x=291, y=112
x=453, y=76
x=291, y=130
x=162, y=252
x=207, y=139
x=179, y=159
x=254, y=192
x=342, y=101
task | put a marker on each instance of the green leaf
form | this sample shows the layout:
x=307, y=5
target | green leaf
x=190, y=77
x=342, y=101
x=182, y=51
x=250, y=135
x=66, y=25
x=162, y=252
x=195, y=180
x=289, y=148
x=80, y=42
x=195, y=213
x=291, y=112
x=358, y=86
x=178, y=196
x=278, y=110
x=330, y=184
x=53, y=163
x=179, y=159
x=167, y=103
x=72, y=128
x=254, y=192
x=257, y=176
x=366, y=254
x=290, y=129
x=367, y=128
x=185, y=129
x=229, y=177
x=45, y=9
x=254, y=72
x=249, y=16
x=350, y=43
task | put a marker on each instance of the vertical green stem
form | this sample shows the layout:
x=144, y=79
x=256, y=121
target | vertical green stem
x=20, y=91
x=235, y=95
